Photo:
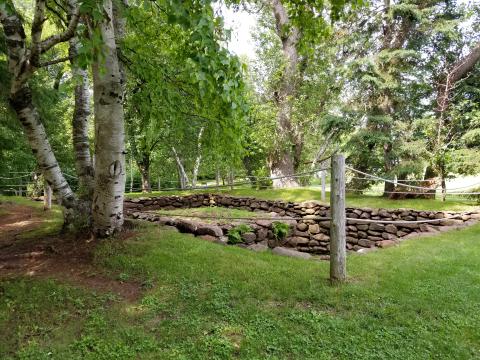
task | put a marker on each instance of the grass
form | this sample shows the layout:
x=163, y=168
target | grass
x=354, y=200
x=216, y=212
x=420, y=300
x=204, y=301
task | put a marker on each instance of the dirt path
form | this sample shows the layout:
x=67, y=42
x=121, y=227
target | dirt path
x=16, y=220
x=65, y=258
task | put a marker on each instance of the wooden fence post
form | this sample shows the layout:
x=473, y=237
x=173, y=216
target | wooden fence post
x=338, y=268
x=322, y=173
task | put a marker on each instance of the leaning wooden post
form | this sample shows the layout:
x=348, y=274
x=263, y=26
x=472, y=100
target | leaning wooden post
x=322, y=173
x=338, y=268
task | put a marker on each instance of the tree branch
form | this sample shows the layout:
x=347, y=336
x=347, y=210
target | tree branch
x=56, y=61
x=69, y=32
x=37, y=29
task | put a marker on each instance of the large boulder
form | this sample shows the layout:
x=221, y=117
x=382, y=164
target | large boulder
x=291, y=253
x=212, y=230
x=258, y=247
x=187, y=226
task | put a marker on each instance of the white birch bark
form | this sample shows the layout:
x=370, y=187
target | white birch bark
x=109, y=134
x=47, y=197
x=198, y=160
x=22, y=63
x=80, y=123
x=181, y=170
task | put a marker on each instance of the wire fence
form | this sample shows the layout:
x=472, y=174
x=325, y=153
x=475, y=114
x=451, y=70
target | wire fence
x=417, y=190
x=409, y=189
x=306, y=174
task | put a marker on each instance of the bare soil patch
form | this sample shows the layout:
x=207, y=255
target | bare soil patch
x=62, y=257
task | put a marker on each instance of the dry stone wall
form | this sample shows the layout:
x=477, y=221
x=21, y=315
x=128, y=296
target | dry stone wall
x=309, y=230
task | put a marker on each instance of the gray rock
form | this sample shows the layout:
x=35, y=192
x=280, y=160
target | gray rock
x=314, y=229
x=376, y=227
x=300, y=233
x=321, y=237
x=264, y=223
x=390, y=228
x=383, y=213
x=302, y=226
x=351, y=240
x=262, y=234
x=366, y=243
x=297, y=240
x=409, y=226
x=211, y=230
x=208, y=238
x=428, y=228
x=258, y=247
x=187, y=226
x=388, y=236
x=249, y=237
x=291, y=253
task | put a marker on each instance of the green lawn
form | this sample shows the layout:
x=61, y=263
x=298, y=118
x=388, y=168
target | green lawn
x=223, y=214
x=206, y=301
x=302, y=194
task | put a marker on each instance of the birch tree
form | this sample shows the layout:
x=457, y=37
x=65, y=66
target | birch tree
x=80, y=125
x=110, y=175
x=23, y=62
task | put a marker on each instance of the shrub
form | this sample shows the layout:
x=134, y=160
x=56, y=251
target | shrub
x=280, y=230
x=235, y=234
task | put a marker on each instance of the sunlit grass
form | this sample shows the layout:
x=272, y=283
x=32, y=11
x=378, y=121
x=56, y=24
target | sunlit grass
x=419, y=300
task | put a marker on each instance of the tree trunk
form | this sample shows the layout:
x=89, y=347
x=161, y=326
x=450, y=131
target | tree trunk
x=47, y=197
x=231, y=178
x=389, y=187
x=22, y=64
x=146, y=187
x=81, y=113
x=21, y=101
x=109, y=134
x=217, y=177
x=182, y=175
x=131, y=174
x=144, y=168
x=196, y=167
x=285, y=159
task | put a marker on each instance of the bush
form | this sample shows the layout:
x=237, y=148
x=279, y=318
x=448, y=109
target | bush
x=235, y=234
x=280, y=230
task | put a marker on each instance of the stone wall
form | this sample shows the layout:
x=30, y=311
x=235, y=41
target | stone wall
x=309, y=230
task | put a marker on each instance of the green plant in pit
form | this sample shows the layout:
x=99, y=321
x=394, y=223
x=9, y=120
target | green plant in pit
x=280, y=230
x=235, y=233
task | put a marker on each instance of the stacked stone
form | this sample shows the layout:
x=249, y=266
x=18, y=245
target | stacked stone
x=309, y=230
